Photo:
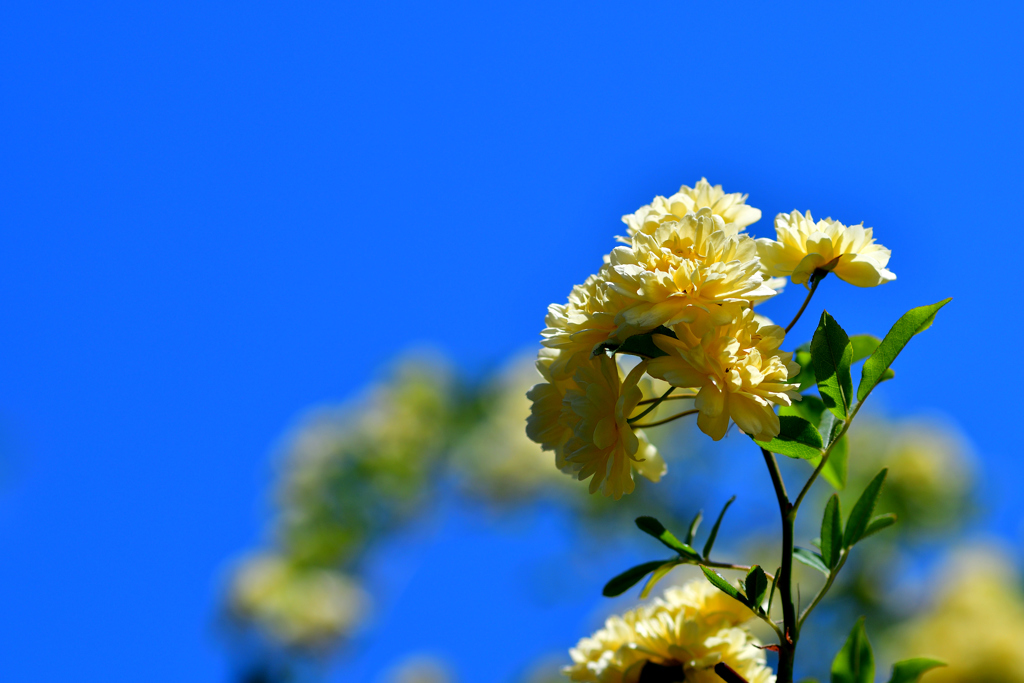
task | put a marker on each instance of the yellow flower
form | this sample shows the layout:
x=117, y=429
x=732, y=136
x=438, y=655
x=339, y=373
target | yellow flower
x=693, y=627
x=684, y=267
x=588, y=319
x=731, y=208
x=804, y=246
x=738, y=368
x=551, y=422
x=603, y=444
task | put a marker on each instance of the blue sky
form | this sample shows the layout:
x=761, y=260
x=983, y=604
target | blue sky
x=217, y=215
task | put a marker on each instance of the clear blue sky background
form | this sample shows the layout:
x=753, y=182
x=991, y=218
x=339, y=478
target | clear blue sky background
x=216, y=215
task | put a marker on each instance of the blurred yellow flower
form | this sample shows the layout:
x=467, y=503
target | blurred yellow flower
x=694, y=627
x=731, y=208
x=603, y=444
x=301, y=607
x=497, y=458
x=685, y=267
x=804, y=246
x=975, y=625
x=737, y=367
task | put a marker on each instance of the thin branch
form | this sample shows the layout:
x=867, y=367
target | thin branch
x=667, y=419
x=824, y=457
x=677, y=397
x=791, y=633
x=824, y=589
x=815, y=279
x=653, y=405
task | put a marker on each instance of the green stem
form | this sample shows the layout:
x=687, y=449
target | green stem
x=787, y=645
x=824, y=589
x=824, y=457
x=654, y=405
x=667, y=419
x=677, y=397
x=815, y=279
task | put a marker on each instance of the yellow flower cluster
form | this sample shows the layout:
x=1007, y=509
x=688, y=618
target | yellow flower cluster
x=688, y=277
x=693, y=627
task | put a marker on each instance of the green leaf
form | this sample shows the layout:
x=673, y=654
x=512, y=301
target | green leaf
x=693, y=527
x=863, y=345
x=878, y=523
x=714, y=529
x=912, y=322
x=834, y=470
x=855, y=662
x=638, y=345
x=831, y=356
x=829, y=427
x=811, y=559
x=649, y=525
x=911, y=670
x=658, y=574
x=627, y=579
x=756, y=586
x=857, y=524
x=809, y=408
x=721, y=584
x=831, y=532
x=797, y=439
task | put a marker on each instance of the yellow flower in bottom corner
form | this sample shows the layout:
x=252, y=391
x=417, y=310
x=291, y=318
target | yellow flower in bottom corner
x=738, y=368
x=804, y=246
x=693, y=627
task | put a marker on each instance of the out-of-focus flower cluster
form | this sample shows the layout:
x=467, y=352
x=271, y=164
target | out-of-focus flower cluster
x=351, y=474
x=975, y=622
x=693, y=627
x=685, y=282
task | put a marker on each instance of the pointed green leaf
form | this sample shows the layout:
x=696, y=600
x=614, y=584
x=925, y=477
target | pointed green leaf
x=811, y=559
x=797, y=439
x=756, y=585
x=714, y=529
x=857, y=524
x=831, y=356
x=649, y=525
x=864, y=345
x=831, y=532
x=693, y=527
x=627, y=579
x=830, y=427
x=855, y=662
x=912, y=322
x=656, y=576
x=878, y=523
x=911, y=670
x=721, y=584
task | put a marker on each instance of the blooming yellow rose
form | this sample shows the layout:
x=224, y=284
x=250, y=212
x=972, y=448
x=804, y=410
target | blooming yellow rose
x=691, y=627
x=603, y=444
x=684, y=267
x=588, y=319
x=738, y=368
x=731, y=208
x=804, y=246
